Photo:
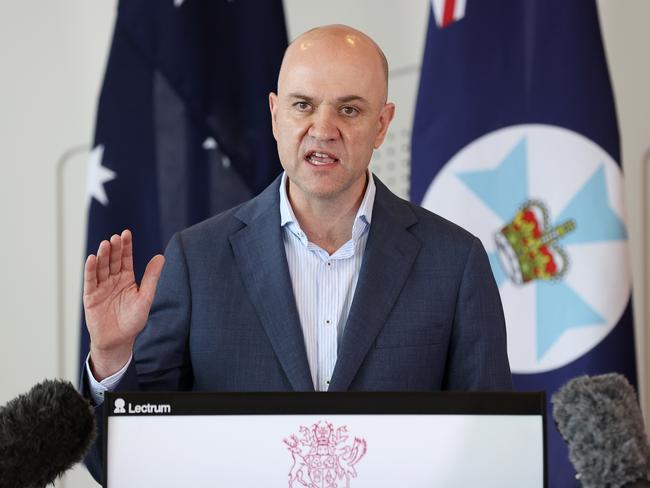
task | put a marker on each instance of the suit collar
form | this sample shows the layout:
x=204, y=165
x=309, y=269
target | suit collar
x=390, y=253
x=260, y=256
x=264, y=204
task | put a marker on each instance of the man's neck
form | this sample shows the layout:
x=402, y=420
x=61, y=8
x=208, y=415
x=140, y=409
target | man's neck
x=327, y=222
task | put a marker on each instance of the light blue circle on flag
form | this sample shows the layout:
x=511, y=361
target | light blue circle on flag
x=547, y=203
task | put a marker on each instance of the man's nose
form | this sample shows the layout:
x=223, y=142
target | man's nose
x=324, y=126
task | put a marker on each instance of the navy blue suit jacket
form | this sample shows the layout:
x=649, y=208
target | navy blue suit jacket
x=426, y=314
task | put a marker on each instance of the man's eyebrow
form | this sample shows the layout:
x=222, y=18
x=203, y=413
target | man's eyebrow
x=351, y=98
x=344, y=99
x=300, y=96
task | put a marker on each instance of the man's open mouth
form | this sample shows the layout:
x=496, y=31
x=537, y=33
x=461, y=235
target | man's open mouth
x=320, y=158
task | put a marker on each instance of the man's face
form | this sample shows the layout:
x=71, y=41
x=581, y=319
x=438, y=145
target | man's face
x=329, y=115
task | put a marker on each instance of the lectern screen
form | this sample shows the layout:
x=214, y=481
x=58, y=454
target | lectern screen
x=334, y=440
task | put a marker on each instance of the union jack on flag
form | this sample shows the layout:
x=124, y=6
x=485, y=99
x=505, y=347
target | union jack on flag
x=448, y=11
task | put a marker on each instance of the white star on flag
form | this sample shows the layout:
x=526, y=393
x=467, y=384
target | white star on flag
x=210, y=143
x=96, y=177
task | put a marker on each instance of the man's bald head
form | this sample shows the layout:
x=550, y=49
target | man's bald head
x=343, y=40
x=330, y=113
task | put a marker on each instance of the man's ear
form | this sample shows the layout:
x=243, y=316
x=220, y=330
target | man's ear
x=273, y=106
x=385, y=116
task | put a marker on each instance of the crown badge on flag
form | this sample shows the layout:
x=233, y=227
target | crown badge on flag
x=527, y=250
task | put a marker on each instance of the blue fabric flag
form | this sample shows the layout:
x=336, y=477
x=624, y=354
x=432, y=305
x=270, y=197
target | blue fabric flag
x=515, y=139
x=183, y=126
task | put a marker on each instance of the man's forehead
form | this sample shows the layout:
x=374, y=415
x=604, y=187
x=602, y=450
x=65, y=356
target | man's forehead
x=336, y=34
x=333, y=44
x=329, y=47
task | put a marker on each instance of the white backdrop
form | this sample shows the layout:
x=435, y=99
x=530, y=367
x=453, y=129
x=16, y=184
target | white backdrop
x=53, y=56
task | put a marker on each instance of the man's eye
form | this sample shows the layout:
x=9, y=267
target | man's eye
x=302, y=106
x=349, y=111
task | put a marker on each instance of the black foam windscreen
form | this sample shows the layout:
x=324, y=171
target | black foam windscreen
x=43, y=433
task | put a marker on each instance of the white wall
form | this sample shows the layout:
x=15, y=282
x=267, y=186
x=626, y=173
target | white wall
x=627, y=39
x=53, y=55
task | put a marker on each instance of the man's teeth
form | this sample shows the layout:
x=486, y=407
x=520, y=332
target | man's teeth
x=319, y=158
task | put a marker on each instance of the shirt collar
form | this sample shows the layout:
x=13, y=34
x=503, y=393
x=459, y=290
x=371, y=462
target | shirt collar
x=364, y=214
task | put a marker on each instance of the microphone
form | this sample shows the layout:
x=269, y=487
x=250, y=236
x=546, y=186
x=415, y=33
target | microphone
x=600, y=419
x=43, y=433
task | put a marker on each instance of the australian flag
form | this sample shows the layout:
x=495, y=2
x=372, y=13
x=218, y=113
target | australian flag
x=183, y=126
x=515, y=139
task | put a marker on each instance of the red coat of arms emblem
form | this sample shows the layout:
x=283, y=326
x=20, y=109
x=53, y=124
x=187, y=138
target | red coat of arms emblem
x=322, y=457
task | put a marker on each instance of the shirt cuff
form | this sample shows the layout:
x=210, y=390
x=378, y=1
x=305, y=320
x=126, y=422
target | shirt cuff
x=98, y=388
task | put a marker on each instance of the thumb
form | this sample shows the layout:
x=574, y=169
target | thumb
x=150, y=277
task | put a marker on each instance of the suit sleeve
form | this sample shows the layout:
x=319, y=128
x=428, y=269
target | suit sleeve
x=478, y=356
x=161, y=353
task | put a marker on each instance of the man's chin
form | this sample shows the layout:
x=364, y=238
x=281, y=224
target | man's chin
x=324, y=186
x=317, y=189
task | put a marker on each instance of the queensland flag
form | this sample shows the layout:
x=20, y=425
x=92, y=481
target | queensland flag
x=515, y=139
x=183, y=126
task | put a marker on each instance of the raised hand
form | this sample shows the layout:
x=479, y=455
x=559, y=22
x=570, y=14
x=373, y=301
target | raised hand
x=116, y=308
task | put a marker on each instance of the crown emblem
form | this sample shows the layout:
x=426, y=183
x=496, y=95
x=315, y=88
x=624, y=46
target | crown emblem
x=323, y=456
x=528, y=249
x=322, y=433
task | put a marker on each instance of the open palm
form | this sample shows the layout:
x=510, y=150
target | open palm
x=116, y=308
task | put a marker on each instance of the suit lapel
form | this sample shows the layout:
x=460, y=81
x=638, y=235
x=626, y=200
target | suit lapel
x=390, y=252
x=260, y=256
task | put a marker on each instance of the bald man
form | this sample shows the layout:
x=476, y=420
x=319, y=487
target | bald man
x=325, y=281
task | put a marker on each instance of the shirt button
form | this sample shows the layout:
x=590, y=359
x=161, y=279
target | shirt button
x=329, y=264
x=327, y=322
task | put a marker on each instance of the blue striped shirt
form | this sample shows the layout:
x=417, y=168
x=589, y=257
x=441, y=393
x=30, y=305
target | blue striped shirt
x=324, y=284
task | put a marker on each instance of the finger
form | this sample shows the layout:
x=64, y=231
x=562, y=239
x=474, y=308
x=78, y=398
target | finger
x=90, y=274
x=115, y=260
x=103, y=254
x=127, y=250
x=150, y=277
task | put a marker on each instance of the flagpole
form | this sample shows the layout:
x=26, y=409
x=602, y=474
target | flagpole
x=645, y=340
x=59, y=192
